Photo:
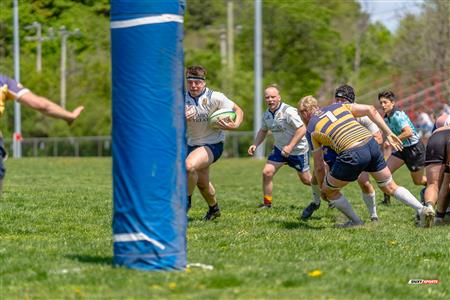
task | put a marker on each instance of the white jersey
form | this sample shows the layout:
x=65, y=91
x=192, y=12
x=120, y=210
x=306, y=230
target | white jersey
x=198, y=130
x=368, y=123
x=283, y=123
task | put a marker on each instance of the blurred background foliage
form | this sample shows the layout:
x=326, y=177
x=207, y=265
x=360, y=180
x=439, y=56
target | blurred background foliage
x=309, y=47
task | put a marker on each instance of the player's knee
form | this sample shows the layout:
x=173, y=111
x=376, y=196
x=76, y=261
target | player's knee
x=190, y=167
x=305, y=179
x=389, y=188
x=383, y=183
x=366, y=187
x=332, y=194
x=268, y=173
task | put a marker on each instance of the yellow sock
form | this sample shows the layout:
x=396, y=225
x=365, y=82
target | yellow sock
x=267, y=200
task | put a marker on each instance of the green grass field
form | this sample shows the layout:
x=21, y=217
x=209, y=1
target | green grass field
x=56, y=241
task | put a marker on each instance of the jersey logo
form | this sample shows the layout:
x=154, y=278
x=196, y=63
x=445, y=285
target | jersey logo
x=204, y=102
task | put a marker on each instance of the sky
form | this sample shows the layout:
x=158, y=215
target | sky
x=390, y=12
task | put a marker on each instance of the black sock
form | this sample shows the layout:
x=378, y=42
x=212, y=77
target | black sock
x=189, y=202
x=215, y=207
x=440, y=215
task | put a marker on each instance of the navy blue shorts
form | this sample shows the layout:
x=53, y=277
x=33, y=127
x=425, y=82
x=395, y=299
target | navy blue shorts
x=298, y=162
x=216, y=149
x=350, y=163
x=329, y=156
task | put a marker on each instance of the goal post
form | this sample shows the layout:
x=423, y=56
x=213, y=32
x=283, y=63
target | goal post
x=148, y=134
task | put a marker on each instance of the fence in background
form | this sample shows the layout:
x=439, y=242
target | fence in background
x=236, y=145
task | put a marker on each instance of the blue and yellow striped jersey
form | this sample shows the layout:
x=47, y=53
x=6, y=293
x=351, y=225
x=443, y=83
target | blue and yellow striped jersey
x=336, y=127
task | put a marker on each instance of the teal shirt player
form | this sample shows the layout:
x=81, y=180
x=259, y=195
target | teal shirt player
x=397, y=121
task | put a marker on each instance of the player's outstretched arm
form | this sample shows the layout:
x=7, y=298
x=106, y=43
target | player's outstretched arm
x=359, y=110
x=50, y=108
x=239, y=116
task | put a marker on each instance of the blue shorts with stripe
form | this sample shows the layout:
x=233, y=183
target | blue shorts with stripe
x=298, y=162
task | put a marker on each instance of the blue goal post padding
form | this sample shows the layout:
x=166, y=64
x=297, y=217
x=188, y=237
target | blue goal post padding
x=148, y=134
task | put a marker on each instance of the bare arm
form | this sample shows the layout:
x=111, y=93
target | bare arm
x=360, y=110
x=406, y=133
x=239, y=115
x=49, y=108
x=378, y=137
x=228, y=124
x=299, y=134
x=260, y=136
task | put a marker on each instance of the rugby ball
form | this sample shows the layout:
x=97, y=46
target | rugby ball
x=221, y=114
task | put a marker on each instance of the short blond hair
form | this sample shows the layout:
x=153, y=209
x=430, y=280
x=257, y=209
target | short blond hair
x=308, y=104
x=273, y=85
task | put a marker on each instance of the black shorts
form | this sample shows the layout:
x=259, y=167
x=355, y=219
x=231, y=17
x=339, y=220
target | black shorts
x=438, y=149
x=413, y=156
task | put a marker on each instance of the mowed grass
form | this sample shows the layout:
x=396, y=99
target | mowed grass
x=55, y=241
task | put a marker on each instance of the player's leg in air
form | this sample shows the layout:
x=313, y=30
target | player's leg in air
x=197, y=167
x=387, y=184
x=383, y=176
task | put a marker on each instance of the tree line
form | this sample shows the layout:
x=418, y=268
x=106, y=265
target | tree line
x=309, y=47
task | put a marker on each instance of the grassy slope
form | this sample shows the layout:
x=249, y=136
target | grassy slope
x=55, y=241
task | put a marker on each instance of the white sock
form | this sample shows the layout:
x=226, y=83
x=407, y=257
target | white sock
x=369, y=200
x=405, y=196
x=344, y=206
x=315, y=193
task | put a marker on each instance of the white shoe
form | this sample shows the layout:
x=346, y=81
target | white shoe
x=426, y=216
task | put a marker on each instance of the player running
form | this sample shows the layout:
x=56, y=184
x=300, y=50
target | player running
x=205, y=144
x=290, y=145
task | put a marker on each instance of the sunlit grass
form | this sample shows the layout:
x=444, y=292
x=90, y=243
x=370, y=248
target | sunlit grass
x=55, y=241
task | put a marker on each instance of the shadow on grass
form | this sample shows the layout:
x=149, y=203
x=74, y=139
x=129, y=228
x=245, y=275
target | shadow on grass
x=101, y=260
x=297, y=225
